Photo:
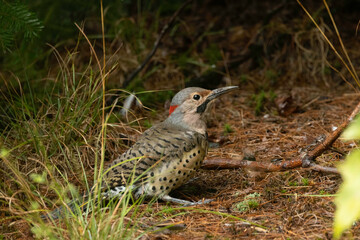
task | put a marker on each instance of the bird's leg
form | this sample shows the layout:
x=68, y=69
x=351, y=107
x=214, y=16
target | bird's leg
x=185, y=203
x=204, y=201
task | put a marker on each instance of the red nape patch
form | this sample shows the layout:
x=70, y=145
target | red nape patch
x=172, y=109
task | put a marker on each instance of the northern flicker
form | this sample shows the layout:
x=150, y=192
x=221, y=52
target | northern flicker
x=167, y=154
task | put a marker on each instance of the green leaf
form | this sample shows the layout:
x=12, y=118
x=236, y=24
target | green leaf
x=348, y=198
x=17, y=21
x=353, y=131
x=251, y=201
x=38, y=178
x=4, y=153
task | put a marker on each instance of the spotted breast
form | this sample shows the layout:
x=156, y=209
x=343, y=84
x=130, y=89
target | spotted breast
x=162, y=160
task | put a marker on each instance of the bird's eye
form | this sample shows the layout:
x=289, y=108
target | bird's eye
x=196, y=97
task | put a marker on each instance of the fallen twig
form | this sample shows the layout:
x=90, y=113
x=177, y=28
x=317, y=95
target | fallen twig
x=223, y=163
x=319, y=168
x=301, y=161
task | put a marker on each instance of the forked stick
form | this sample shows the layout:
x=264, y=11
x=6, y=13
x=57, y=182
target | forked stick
x=164, y=30
x=300, y=161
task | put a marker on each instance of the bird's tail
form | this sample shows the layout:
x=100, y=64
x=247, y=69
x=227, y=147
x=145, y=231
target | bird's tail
x=68, y=209
x=82, y=202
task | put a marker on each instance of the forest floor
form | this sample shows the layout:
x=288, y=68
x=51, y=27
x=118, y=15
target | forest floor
x=296, y=204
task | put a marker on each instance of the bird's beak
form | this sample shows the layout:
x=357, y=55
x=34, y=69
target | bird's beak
x=220, y=91
x=213, y=95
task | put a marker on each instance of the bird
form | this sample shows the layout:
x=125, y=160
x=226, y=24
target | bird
x=168, y=154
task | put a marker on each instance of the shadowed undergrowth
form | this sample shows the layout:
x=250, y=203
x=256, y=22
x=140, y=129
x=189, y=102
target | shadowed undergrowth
x=51, y=154
x=49, y=147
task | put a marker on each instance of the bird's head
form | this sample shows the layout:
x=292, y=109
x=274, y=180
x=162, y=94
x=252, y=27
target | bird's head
x=189, y=106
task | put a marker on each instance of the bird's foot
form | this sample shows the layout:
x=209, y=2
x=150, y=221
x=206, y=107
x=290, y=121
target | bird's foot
x=204, y=201
x=185, y=203
x=307, y=161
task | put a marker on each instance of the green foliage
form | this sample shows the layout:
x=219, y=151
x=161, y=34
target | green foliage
x=244, y=79
x=227, y=128
x=259, y=102
x=153, y=98
x=272, y=76
x=38, y=178
x=305, y=181
x=322, y=192
x=147, y=123
x=250, y=202
x=44, y=135
x=4, y=153
x=17, y=22
x=261, y=99
x=353, y=131
x=212, y=54
x=187, y=62
x=293, y=184
x=168, y=209
x=53, y=23
x=348, y=196
x=93, y=219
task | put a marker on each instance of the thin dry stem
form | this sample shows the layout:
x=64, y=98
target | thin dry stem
x=329, y=42
x=341, y=43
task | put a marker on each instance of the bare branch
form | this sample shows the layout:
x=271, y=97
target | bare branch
x=164, y=30
x=223, y=163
